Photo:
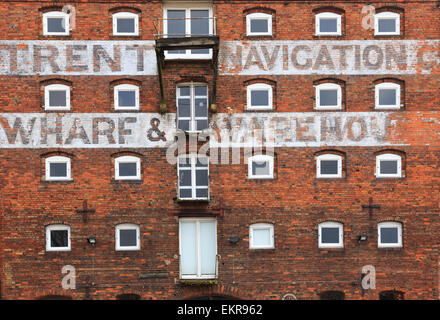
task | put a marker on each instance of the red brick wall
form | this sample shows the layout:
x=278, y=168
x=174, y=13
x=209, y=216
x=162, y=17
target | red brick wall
x=294, y=202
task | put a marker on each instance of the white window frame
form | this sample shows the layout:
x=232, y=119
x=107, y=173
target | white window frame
x=127, y=226
x=55, y=227
x=328, y=15
x=56, y=14
x=260, y=158
x=387, y=85
x=328, y=86
x=128, y=159
x=188, y=7
x=259, y=16
x=389, y=157
x=125, y=15
x=56, y=87
x=390, y=224
x=192, y=96
x=193, y=187
x=126, y=87
x=386, y=15
x=58, y=159
x=261, y=226
x=259, y=86
x=199, y=274
x=331, y=224
x=328, y=156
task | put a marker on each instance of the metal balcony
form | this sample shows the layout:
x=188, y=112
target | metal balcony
x=180, y=35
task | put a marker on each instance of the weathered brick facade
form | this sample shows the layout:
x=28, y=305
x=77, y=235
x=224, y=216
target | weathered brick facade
x=295, y=201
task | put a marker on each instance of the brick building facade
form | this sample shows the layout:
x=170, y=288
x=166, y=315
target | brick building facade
x=359, y=151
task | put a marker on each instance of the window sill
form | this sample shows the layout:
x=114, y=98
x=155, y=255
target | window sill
x=57, y=251
x=260, y=178
x=390, y=250
x=178, y=200
x=318, y=35
x=388, y=108
x=56, y=110
x=328, y=110
x=55, y=37
x=128, y=181
x=197, y=282
x=57, y=181
x=126, y=110
x=260, y=37
x=390, y=178
x=330, y=249
x=125, y=36
x=268, y=109
x=261, y=250
x=328, y=37
x=389, y=36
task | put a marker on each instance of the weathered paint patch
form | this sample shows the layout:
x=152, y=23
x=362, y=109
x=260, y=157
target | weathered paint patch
x=151, y=130
x=298, y=129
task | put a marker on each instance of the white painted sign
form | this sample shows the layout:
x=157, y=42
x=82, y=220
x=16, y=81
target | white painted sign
x=152, y=130
x=52, y=57
x=354, y=57
x=302, y=129
x=278, y=57
x=86, y=130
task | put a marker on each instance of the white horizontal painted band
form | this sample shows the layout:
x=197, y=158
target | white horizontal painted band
x=278, y=57
x=152, y=130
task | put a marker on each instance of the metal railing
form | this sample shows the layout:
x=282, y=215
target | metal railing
x=160, y=25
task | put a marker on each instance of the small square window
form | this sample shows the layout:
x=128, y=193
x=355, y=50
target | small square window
x=387, y=96
x=55, y=23
x=127, y=237
x=387, y=23
x=126, y=97
x=388, y=166
x=389, y=234
x=331, y=235
x=127, y=168
x=57, y=168
x=328, y=96
x=57, y=97
x=259, y=24
x=260, y=167
x=261, y=236
x=328, y=24
x=259, y=97
x=125, y=24
x=57, y=238
x=329, y=166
